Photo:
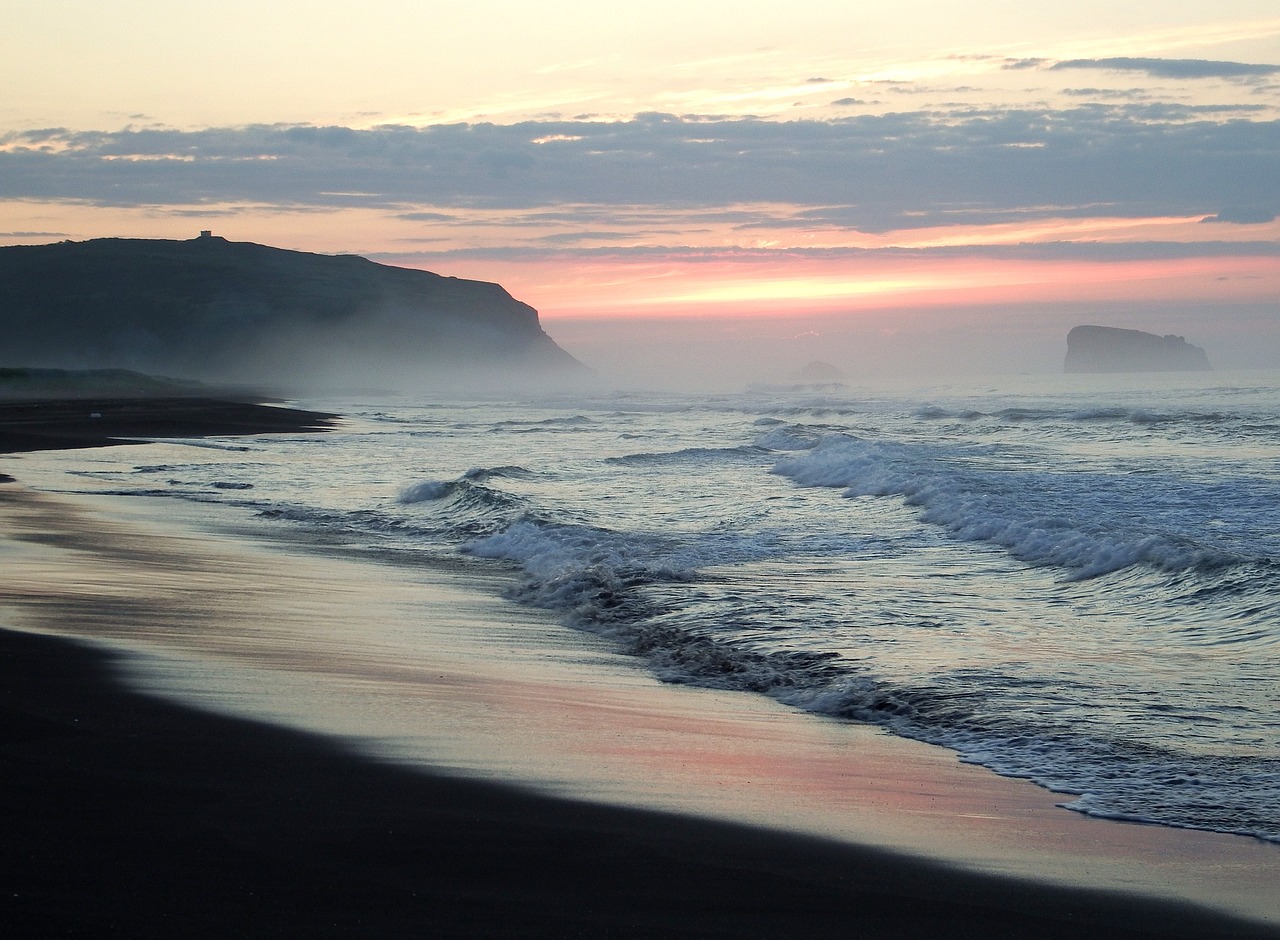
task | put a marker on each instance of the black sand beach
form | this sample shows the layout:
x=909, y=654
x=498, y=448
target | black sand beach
x=67, y=423
x=132, y=817
x=127, y=815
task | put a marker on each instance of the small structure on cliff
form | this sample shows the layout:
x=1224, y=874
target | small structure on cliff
x=1110, y=349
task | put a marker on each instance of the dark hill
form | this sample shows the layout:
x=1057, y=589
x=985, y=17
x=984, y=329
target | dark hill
x=37, y=384
x=1110, y=349
x=240, y=312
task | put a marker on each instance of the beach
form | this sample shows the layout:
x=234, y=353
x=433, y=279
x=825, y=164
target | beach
x=29, y=424
x=215, y=731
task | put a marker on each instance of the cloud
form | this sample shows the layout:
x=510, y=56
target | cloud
x=880, y=172
x=1045, y=251
x=428, y=216
x=1245, y=215
x=1169, y=68
x=1114, y=94
x=580, y=237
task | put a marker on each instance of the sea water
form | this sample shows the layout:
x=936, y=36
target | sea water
x=1069, y=579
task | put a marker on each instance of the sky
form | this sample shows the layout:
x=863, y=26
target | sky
x=730, y=188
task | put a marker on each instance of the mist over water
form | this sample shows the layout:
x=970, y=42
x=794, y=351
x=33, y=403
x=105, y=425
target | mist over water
x=890, y=347
x=268, y=318
x=1072, y=579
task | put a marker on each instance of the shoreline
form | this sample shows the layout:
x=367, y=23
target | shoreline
x=619, y=869
x=144, y=818
x=36, y=424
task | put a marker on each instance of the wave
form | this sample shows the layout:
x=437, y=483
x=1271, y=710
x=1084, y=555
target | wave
x=593, y=573
x=1087, y=523
x=1109, y=777
x=789, y=437
x=562, y=423
x=1091, y=414
x=465, y=508
x=637, y=548
x=605, y=582
x=688, y=455
x=585, y=571
x=426, y=491
x=936, y=412
x=431, y=490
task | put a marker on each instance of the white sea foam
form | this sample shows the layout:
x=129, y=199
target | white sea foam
x=1039, y=517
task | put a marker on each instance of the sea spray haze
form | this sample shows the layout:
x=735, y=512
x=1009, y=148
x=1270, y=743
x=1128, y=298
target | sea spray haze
x=1069, y=579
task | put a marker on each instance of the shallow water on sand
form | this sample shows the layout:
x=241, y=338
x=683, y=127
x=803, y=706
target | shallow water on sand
x=1069, y=579
x=420, y=663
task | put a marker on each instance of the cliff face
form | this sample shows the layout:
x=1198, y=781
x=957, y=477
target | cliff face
x=236, y=311
x=1108, y=349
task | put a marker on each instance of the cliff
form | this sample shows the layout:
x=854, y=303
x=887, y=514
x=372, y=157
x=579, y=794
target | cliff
x=1109, y=349
x=226, y=311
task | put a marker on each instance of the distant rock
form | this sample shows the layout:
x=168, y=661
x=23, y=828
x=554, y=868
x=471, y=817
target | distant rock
x=1109, y=349
x=223, y=311
x=818, y=373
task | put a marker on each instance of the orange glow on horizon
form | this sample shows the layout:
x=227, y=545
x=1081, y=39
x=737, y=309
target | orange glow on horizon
x=923, y=268
x=565, y=289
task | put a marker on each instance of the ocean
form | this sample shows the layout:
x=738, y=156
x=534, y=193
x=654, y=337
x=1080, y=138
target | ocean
x=1069, y=579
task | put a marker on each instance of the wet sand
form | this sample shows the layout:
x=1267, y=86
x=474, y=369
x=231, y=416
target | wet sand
x=484, y=772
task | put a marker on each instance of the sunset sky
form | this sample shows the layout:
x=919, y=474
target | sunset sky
x=821, y=178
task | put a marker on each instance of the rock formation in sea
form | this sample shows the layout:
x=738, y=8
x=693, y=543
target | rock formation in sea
x=223, y=311
x=1110, y=349
x=819, y=373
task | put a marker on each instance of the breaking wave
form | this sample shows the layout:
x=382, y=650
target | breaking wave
x=1085, y=523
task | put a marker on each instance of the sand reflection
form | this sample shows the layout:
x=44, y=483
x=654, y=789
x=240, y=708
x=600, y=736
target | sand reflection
x=423, y=664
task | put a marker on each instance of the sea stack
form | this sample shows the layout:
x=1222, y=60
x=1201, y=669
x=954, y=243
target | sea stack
x=1110, y=349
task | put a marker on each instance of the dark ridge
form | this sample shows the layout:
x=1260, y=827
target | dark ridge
x=236, y=311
